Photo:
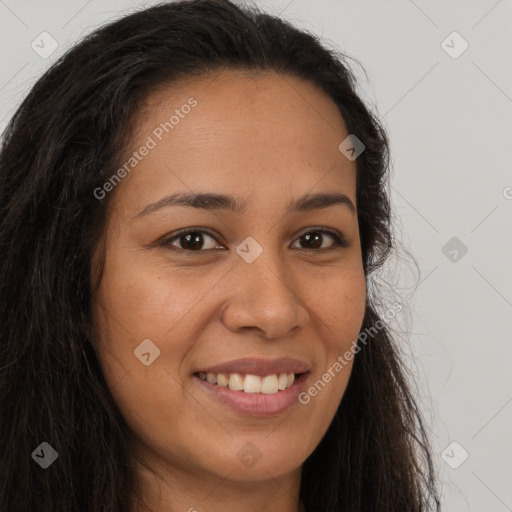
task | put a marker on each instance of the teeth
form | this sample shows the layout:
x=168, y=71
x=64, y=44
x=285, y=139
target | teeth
x=282, y=382
x=252, y=384
x=235, y=382
x=268, y=385
x=222, y=380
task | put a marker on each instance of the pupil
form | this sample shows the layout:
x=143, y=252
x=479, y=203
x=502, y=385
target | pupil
x=193, y=240
x=316, y=243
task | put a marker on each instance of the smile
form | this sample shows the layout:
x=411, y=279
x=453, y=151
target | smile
x=254, y=386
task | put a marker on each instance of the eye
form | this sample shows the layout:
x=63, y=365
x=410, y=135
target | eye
x=314, y=238
x=190, y=240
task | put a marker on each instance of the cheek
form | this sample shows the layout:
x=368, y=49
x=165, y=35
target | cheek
x=134, y=305
x=139, y=302
x=341, y=308
x=147, y=300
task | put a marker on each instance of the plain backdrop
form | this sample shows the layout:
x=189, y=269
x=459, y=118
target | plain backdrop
x=439, y=76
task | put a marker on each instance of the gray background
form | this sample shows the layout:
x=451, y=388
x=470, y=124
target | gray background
x=450, y=125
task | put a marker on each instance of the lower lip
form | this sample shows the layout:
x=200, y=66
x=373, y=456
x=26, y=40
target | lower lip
x=256, y=404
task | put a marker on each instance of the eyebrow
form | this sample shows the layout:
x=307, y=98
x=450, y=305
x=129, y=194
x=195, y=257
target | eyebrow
x=211, y=201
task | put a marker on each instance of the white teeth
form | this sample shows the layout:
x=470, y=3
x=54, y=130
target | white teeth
x=252, y=384
x=222, y=380
x=268, y=385
x=282, y=382
x=235, y=382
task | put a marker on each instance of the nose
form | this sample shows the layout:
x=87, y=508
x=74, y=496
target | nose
x=263, y=298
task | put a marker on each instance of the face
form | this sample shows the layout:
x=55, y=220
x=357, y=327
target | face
x=240, y=289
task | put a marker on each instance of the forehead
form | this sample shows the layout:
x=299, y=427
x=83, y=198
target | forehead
x=240, y=132
x=240, y=101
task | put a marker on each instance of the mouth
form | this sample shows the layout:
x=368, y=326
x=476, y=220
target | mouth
x=254, y=386
x=253, y=395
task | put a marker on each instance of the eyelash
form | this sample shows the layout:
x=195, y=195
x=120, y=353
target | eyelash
x=339, y=240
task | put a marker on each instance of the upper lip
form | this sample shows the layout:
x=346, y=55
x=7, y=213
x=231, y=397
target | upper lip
x=259, y=366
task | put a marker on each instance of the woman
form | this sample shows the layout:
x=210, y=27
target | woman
x=193, y=202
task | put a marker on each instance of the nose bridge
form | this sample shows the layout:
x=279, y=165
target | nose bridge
x=265, y=297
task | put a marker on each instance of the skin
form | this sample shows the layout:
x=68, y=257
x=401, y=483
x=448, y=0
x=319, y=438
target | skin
x=267, y=139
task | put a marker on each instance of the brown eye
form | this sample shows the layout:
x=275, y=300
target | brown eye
x=314, y=239
x=191, y=240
